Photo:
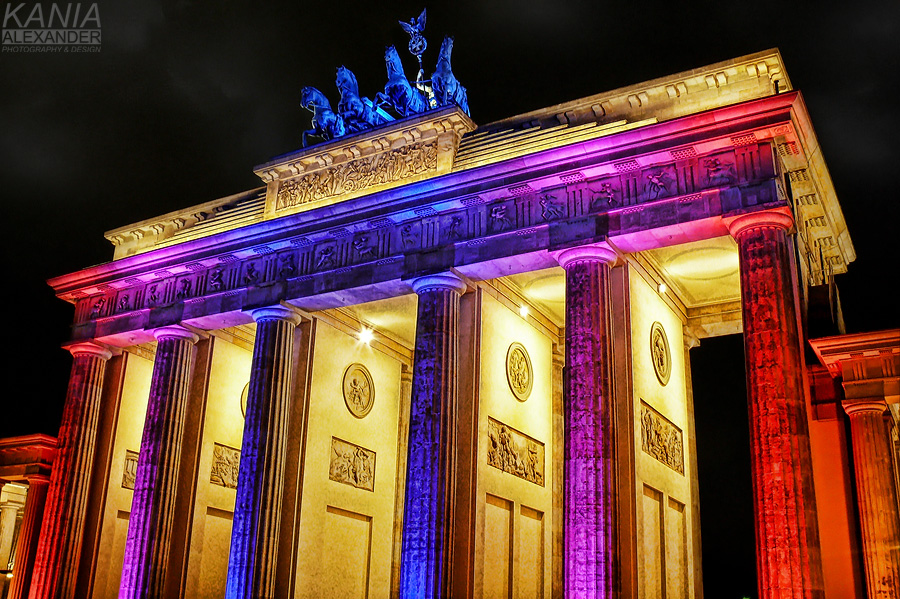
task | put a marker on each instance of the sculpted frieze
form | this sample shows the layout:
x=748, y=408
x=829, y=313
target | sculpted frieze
x=520, y=209
x=348, y=177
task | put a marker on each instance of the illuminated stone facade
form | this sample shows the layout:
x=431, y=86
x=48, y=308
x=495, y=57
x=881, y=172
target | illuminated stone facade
x=453, y=359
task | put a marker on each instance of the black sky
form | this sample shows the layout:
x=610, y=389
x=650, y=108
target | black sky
x=186, y=97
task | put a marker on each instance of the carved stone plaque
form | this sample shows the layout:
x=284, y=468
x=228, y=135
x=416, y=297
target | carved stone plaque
x=130, y=472
x=659, y=353
x=515, y=453
x=661, y=439
x=379, y=169
x=225, y=464
x=518, y=371
x=359, y=391
x=352, y=465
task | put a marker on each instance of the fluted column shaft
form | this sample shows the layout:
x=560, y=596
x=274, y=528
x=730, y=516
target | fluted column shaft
x=153, y=501
x=787, y=538
x=59, y=548
x=425, y=571
x=590, y=506
x=257, y=511
x=879, y=519
x=26, y=546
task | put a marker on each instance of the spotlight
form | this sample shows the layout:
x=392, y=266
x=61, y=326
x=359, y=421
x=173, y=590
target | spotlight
x=662, y=288
x=523, y=311
x=366, y=336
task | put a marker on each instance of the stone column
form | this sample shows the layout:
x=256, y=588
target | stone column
x=787, y=535
x=59, y=548
x=591, y=560
x=257, y=511
x=425, y=570
x=26, y=547
x=400, y=483
x=879, y=519
x=153, y=501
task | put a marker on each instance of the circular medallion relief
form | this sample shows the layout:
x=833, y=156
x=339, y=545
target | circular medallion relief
x=518, y=371
x=659, y=353
x=359, y=392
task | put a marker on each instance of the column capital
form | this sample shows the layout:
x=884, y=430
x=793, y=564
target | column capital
x=691, y=340
x=88, y=348
x=587, y=253
x=175, y=331
x=772, y=219
x=276, y=313
x=440, y=281
x=37, y=478
x=866, y=404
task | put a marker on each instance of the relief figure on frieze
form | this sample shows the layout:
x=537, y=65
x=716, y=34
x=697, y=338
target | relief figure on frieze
x=550, y=209
x=409, y=236
x=364, y=249
x=657, y=185
x=499, y=221
x=718, y=172
x=604, y=197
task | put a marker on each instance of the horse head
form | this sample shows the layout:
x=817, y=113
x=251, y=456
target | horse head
x=346, y=80
x=392, y=61
x=446, y=47
x=311, y=98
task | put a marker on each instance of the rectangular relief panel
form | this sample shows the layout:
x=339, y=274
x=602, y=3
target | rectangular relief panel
x=676, y=551
x=661, y=439
x=225, y=463
x=497, y=547
x=346, y=554
x=129, y=472
x=530, y=568
x=352, y=465
x=216, y=546
x=652, y=545
x=515, y=452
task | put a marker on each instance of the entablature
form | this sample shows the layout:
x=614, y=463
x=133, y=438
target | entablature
x=660, y=184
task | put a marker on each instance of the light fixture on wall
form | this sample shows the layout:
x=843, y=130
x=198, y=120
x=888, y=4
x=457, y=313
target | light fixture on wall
x=366, y=335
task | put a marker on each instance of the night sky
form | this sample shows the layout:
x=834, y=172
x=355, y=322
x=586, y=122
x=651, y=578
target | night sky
x=186, y=97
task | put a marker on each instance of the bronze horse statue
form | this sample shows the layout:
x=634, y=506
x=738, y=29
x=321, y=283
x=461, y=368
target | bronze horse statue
x=399, y=93
x=325, y=123
x=446, y=87
x=358, y=113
